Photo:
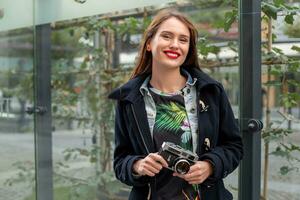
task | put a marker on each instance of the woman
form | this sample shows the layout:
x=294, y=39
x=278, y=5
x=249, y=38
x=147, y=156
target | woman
x=169, y=99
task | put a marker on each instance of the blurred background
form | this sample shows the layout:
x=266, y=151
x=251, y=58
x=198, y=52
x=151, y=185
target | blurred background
x=90, y=49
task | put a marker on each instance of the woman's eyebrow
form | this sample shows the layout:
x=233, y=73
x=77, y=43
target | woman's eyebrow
x=169, y=32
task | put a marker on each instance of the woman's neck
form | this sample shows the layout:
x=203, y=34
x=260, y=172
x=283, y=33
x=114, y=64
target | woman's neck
x=167, y=80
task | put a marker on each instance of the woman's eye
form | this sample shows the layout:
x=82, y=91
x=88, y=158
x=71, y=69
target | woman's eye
x=183, y=40
x=166, y=36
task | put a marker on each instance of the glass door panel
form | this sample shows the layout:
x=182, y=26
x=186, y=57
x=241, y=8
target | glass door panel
x=17, y=166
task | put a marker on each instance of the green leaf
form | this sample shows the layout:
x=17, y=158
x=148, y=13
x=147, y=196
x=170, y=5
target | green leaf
x=277, y=50
x=274, y=37
x=278, y=2
x=290, y=99
x=205, y=48
x=276, y=70
x=280, y=152
x=293, y=83
x=273, y=83
x=230, y=17
x=294, y=67
x=295, y=48
x=270, y=10
x=285, y=170
x=289, y=19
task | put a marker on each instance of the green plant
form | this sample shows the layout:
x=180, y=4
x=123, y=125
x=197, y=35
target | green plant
x=91, y=82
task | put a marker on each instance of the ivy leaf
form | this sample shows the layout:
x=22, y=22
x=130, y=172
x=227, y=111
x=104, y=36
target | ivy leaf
x=276, y=71
x=230, y=17
x=278, y=2
x=290, y=99
x=289, y=19
x=270, y=10
x=277, y=50
x=295, y=48
x=285, y=169
x=274, y=37
x=206, y=48
x=293, y=83
x=294, y=67
x=295, y=148
x=281, y=153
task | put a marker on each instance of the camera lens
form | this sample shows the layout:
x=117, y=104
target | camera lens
x=182, y=166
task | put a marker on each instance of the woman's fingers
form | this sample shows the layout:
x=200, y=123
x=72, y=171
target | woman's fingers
x=190, y=178
x=152, y=161
x=159, y=159
x=150, y=165
x=148, y=172
x=153, y=168
x=198, y=172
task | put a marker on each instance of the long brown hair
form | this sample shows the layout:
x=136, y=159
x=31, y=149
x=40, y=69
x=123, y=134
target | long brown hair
x=144, y=59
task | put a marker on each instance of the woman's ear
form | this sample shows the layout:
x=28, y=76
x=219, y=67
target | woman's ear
x=148, y=47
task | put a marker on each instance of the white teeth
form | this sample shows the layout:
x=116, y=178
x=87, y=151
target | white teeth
x=172, y=54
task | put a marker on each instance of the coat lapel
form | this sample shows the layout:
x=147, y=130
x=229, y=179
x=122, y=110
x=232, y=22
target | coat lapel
x=142, y=122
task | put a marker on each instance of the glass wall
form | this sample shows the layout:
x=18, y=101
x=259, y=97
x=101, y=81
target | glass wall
x=17, y=166
x=93, y=51
x=91, y=55
x=281, y=111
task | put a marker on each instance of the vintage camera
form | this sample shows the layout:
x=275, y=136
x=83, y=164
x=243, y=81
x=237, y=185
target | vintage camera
x=178, y=158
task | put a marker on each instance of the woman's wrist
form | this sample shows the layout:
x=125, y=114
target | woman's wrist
x=211, y=166
x=135, y=167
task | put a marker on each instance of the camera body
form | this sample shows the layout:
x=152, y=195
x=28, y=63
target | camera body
x=179, y=159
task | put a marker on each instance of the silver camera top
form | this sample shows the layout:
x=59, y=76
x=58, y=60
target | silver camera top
x=178, y=150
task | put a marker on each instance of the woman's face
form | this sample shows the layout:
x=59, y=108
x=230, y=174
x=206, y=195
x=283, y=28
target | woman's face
x=170, y=44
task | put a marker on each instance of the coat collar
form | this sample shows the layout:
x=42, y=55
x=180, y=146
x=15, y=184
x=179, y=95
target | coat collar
x=190, y=82
x=130, y=91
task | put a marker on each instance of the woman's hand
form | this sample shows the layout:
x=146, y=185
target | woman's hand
x=198, y=172
x=150, y=165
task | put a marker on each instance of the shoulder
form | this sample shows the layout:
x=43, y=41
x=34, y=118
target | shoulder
x=128, y=90
x=205, y=81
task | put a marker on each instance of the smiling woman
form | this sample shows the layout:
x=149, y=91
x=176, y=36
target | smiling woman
x=162, y=103
x=170, y=45
x=169, y=48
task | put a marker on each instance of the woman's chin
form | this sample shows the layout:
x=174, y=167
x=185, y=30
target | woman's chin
x=172, y=65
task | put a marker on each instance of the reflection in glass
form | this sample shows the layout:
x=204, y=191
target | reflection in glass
x=17, y=173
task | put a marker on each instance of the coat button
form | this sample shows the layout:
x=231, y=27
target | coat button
x=188, y=90
x=193, y=110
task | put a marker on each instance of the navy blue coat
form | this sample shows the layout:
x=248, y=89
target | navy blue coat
x=133, y=138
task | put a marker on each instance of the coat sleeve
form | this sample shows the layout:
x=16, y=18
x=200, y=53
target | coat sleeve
x=124, y=155
x=228, y=152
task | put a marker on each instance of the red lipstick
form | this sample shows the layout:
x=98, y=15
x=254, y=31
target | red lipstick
x=172, y=54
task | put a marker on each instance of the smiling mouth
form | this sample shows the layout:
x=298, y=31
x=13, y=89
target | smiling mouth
x=172, y=54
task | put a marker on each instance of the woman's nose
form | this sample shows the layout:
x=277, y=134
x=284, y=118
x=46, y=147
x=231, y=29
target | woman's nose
x=174, y=43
